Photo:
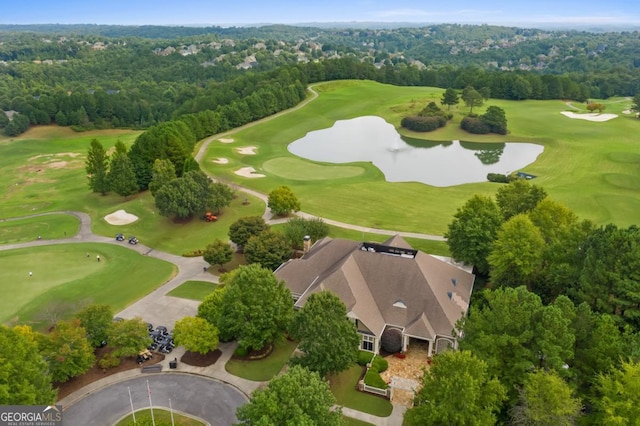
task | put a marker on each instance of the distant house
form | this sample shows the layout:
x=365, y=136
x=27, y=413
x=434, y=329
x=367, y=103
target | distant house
x=385, y=286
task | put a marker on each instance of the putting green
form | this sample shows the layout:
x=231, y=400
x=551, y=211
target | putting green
x=64, y=278
x=49, y=227
x=296, y=169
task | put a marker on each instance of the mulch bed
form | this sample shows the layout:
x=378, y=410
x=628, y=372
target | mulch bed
x=198, y=360
x=97, y=373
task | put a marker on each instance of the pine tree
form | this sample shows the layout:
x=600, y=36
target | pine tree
x=122, y=177
x=97, y=167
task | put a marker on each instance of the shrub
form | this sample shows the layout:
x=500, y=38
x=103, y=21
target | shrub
x=379, y=364
x=109, y=361
x=372, y=378
x=423, y=124
x=497, y=177
x=474, y=125
x=240, y=351
x=364, y=357
x=193, y=253
x=391, y=340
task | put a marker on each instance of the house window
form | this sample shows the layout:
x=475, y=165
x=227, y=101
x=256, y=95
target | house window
x=368, y=343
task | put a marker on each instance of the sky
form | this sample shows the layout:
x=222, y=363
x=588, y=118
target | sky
x=237, y=12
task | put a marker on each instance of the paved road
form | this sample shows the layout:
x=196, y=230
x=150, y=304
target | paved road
x=201, y=397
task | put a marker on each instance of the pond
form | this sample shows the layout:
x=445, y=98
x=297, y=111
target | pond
x=372, y=139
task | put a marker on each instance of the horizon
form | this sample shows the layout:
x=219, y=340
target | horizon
x=570, y=13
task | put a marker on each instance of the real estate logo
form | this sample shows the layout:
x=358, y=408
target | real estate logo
x=31, y=415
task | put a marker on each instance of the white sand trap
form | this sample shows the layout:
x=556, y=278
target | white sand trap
x=226, y=140
x=248, y=172
x=590, y=117
x=247, y=150
x=120, y=217
x=221, y=160
x=626, y=111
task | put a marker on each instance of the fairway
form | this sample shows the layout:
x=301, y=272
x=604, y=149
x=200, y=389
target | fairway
x=589, y=166
x=64, y=279
x=297, y=169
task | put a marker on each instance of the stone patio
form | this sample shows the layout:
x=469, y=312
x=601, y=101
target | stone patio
x=404, y=375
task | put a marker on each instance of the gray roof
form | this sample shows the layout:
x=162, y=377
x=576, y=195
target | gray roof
x=422, y=294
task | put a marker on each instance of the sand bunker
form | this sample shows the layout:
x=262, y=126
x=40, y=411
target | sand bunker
x=247, y=150
x=626, y=111
x=120, y=217
x=590, y=117
x=226, y=140
x=248, y=172
x=221, y=160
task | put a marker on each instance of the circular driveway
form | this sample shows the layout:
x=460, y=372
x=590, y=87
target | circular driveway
x=207, y=399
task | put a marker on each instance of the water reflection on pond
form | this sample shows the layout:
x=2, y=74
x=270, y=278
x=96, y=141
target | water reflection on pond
x=411, y=160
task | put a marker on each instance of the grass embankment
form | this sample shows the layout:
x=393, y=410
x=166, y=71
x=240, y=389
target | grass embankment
x=64, y=279
x=161, y=416
x=263, y=369
x=589, y=166
x=194, y=290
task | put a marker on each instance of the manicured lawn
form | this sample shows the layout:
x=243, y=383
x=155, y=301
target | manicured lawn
x=589, y=166
x=161, y=417
x=263, y=369
x=49, y=227
x=194, y=290
x=64, y=279
x=349, y=421
x=343, y=387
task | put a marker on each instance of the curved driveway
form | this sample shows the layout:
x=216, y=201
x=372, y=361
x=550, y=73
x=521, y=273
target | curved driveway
x=205, y=398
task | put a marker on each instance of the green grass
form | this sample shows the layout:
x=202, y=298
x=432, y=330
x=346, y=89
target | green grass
x=349, y=421
x=590, y=167
x=263, y=369
x=64, y=279
x=343, y=388
x=194, y=290
x=49, y=227
x=160, y=416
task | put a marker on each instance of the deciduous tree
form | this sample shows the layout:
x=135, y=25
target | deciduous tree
x=257, y=308
x=516, y=254
x=25, y=378
x=246, y=227
x=196, y=335
x=473, y=229
x=218, y=253
x=457, y=390
x=472, y=98
x=282, y=201
x=128, y=337
x=298, y=397
x=268, y=249
x=327, y=337
x=297, y=228
x=97, y=320
x=67, y=350
x=619, y=391
x=220, y=196
x=496, y=119
x=546, y=400
x=211, y=307
x=97, y=167
x=519, y=196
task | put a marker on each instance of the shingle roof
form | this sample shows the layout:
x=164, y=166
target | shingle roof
x=423, y=294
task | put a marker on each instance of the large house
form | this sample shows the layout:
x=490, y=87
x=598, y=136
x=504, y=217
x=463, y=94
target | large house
x=385, y=286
